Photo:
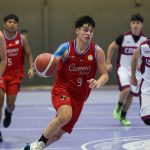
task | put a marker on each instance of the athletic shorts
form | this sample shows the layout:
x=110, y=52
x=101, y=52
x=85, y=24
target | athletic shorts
x=10, y=84
x=58, y=100
x=124, y=78
x=145, y=99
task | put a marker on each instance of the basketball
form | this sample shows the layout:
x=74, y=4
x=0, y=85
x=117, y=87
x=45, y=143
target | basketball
x=45, y=64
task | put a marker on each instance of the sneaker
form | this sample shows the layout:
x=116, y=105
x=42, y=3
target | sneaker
x=1, y=139
x=38, y=145
x=7, y=119
x=116, y=114
x=125, y=122
x=27, y=147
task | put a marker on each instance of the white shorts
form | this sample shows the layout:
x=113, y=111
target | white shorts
x=145, y=99
x=124, y=76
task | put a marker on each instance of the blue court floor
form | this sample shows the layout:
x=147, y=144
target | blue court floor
x=95, y=130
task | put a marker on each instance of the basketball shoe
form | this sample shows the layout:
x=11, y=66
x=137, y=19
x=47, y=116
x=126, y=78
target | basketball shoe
x=117, y=113
x=37, y=145
x=7, y=119
x=125, y=122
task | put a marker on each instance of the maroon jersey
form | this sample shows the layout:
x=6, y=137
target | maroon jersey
x=75, y=70
x=15, y=56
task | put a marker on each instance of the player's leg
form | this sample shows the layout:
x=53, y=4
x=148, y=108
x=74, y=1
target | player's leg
x=122, y=97
x=124, y=86
x=2, y=94
x=63, y=105
x=12, y=91
x=52, y=132
x=124, y=121
x=48, y=136
x=64, y=115
x=10, y=100
x=3, y=87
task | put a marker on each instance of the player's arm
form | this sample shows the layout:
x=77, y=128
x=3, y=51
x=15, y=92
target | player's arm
x=111, y=49
x=110, y=52
x=28, y=54
x=134, y=62
x=101, y=64
x=61, y=52
x=3, y=54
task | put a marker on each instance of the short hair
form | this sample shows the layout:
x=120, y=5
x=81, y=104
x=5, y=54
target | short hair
x=137, y=17
x=84, y=20
x=11, y=16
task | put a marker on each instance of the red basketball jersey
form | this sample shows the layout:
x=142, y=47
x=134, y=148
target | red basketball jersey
x=15, y=56
x=75, y=70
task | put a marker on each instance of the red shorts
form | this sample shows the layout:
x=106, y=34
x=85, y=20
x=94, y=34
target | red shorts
x=76, y=105
x=10, y=84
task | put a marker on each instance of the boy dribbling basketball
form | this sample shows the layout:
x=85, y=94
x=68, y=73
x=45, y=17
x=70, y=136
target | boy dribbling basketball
x=78, y=61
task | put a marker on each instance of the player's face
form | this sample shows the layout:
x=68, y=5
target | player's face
x=11, y=26
x=136, y=27
x=85, y=33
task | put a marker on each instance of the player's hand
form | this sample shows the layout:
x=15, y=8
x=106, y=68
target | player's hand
x=94, y=83
x=109, y=67
x=30, y=73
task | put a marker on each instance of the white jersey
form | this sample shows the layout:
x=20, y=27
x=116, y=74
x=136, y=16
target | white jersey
x=145, y=57
x=127, y=49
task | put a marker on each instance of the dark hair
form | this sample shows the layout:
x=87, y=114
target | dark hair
x=11, y=16
x=137, y=17
x=84, y=20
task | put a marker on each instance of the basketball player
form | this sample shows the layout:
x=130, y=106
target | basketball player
x=143, y=53
x=17, y=47
x=78, y=61
x=125, y=45
x=3, y=60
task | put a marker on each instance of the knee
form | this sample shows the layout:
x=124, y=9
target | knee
x=127, y=90
x=64, y=119
x=147, y=121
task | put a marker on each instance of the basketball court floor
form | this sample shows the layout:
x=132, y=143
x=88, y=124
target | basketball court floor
x=95, y=130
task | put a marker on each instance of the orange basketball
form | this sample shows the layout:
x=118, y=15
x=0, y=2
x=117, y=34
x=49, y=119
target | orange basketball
x=45, y=64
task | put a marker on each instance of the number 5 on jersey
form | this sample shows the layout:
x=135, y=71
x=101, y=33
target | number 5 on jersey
x=9, y=61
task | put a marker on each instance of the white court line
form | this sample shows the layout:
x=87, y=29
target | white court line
x=64, y=148
x=86, y=128
x=83, y=147
x=37, y=107
x=83, y=117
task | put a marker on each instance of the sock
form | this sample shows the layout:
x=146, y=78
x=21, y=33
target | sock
x=119, y=106
x=43, y=139
x=123, y=114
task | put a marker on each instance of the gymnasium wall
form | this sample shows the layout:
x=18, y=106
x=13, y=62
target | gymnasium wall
x=51, y=22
